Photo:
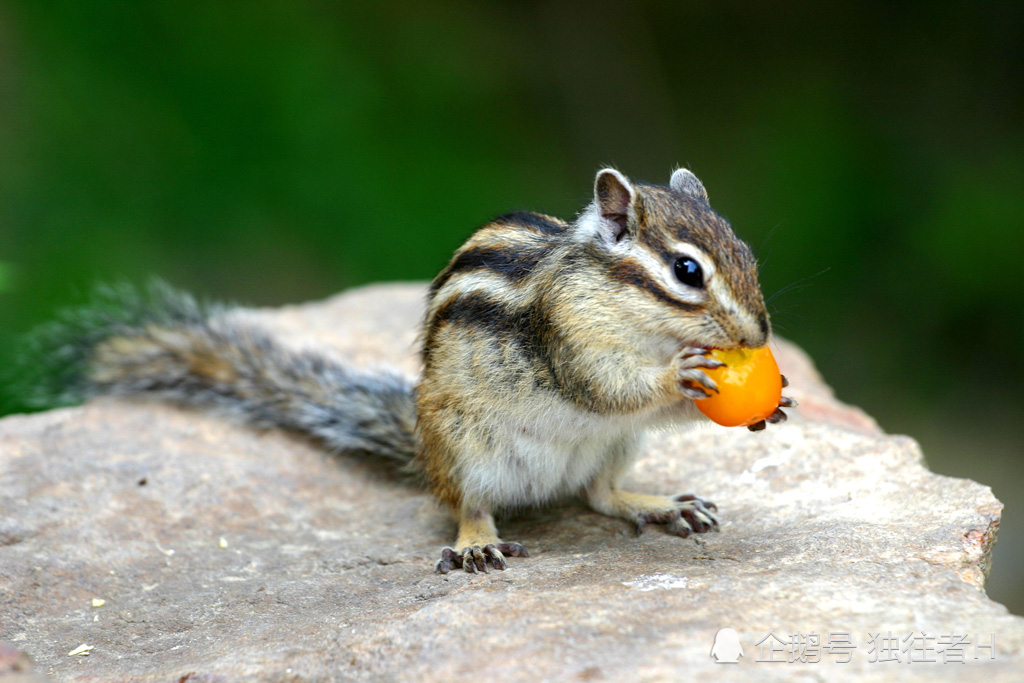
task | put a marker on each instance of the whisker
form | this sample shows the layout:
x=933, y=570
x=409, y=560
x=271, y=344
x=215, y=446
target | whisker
x=762, y=261
x=793, y=285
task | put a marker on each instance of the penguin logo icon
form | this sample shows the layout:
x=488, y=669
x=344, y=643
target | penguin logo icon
x=727, y=648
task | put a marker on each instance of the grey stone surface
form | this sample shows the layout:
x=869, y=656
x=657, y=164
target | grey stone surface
x=325, y=567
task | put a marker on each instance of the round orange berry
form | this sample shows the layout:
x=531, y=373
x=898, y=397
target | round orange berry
x=749, y=387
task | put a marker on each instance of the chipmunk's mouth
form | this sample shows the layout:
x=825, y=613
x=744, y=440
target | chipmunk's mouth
x=728, y=347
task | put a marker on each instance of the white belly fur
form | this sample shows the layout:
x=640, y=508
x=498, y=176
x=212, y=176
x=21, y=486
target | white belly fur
x=550, y=450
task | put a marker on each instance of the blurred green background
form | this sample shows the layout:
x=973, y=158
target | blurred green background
x=282, y=151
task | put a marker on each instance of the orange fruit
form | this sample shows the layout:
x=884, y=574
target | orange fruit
x=749, y=387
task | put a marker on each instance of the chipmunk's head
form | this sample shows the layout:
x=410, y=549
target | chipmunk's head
x=677, y=262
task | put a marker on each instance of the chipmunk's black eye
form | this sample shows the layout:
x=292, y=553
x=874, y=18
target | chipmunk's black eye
x=689, y=272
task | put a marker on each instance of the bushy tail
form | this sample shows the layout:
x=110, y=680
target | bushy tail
x=166, y=344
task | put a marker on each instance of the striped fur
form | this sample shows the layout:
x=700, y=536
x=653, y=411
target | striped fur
x=545, y=342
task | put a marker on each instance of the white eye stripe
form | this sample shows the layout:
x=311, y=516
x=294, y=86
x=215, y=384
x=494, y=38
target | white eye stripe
x=650, y=261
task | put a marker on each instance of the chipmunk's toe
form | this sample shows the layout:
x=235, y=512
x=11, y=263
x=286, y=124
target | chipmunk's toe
x=513, y=550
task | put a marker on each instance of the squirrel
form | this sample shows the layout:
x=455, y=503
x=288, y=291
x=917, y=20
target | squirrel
x=549, y=348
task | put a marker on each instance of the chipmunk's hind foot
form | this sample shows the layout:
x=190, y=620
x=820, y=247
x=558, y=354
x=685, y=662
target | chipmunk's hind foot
x=682, y=515
x=476, y=559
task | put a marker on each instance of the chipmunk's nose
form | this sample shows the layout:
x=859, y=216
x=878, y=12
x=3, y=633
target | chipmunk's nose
x=755, y=336
x=766, y=329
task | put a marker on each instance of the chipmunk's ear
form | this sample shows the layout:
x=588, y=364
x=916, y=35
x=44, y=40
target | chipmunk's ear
x=614, y=197
x=684, y=181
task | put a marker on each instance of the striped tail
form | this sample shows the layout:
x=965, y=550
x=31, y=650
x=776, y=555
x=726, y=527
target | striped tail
x=165, y=344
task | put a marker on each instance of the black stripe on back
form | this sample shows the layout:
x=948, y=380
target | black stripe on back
x=513, y=265
x=524, y=328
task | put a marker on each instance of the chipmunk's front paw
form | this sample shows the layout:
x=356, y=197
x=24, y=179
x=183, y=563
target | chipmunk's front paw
x=689, y=514
x=476, y=559
x=778, y=417
x=693, y=381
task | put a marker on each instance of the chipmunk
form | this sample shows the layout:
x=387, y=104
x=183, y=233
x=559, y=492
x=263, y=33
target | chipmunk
x=548, y=349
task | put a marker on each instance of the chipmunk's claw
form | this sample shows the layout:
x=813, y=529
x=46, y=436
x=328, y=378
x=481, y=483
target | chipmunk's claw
x=694, y=357
x=777, y=417
x=693, y=387
x=693, y=381
x=475, y=559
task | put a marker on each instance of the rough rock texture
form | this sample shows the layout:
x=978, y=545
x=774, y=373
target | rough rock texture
x=228, y=554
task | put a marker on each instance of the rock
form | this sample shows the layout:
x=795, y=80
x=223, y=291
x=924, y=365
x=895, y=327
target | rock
x=223, y=553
